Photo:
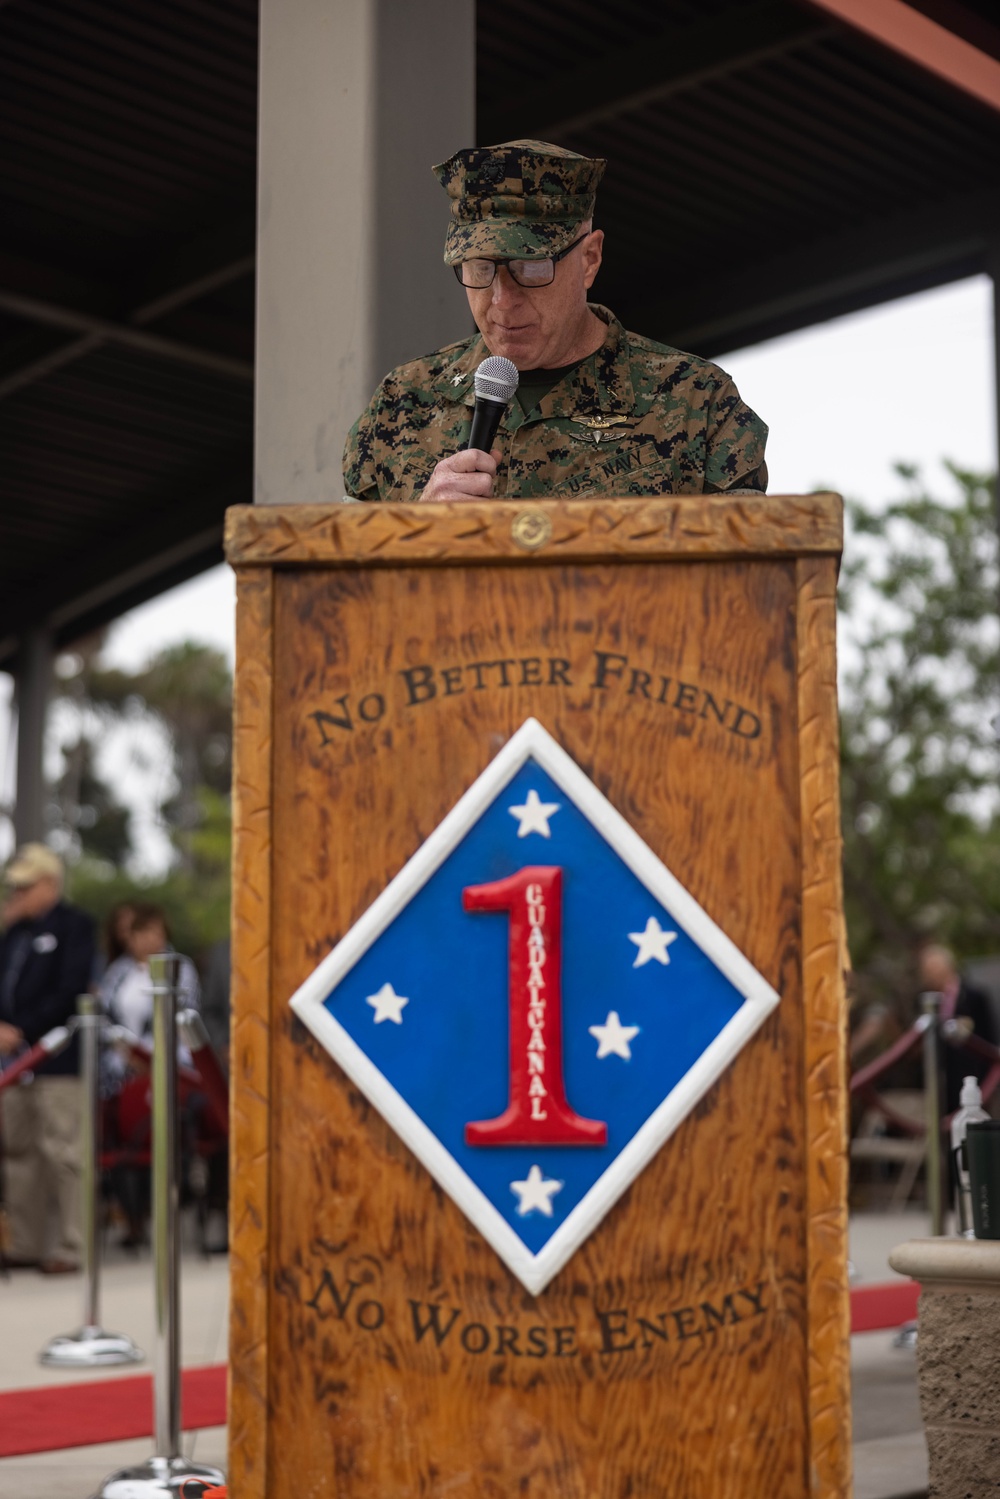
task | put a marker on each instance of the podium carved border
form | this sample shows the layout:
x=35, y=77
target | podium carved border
x=259, y=538
x=825, y=1037
x=250, y=1058
x=571, y=530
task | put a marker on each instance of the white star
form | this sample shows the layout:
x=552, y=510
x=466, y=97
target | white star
x=652, y=943
x=387, y=1004
x=534, y=815
x=613, y=1037
x=536, y=1193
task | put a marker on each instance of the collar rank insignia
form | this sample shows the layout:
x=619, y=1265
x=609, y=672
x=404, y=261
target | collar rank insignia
x=534, y=1003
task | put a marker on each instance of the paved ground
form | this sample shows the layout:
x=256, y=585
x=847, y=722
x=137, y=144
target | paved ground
x=890, y=1457
x=79, y=1472
x=35, y=1308
x=874, y=1235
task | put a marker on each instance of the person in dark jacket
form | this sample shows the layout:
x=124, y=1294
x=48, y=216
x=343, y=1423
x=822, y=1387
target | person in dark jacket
x=959, y=1000
x=46, y=960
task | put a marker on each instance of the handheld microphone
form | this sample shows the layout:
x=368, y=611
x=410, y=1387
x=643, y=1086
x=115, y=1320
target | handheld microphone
x=495, y=383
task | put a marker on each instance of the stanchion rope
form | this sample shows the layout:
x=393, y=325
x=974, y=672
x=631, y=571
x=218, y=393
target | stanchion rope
x=957, y=1035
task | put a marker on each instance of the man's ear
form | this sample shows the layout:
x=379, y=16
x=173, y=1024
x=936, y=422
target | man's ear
x=593, y=254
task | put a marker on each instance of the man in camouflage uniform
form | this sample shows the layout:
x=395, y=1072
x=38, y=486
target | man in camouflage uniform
x=599, y=411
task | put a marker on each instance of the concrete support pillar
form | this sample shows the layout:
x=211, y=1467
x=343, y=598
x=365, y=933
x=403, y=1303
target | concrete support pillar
x=357, y=100
x=993, y=269
x=33, y=691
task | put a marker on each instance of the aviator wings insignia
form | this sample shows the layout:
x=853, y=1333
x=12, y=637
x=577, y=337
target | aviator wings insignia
x=603, y=428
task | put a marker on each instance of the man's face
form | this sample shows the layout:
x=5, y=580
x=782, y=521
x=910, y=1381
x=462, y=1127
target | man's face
x=937, y=970
x=538, y=327
x=28, y=902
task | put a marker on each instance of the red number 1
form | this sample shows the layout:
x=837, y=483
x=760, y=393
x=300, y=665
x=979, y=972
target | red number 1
x=538, y=1111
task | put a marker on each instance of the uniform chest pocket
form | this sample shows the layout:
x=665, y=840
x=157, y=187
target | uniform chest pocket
x=408, y=481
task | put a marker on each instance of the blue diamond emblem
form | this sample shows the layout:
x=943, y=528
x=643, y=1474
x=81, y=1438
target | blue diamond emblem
x=643, y=1003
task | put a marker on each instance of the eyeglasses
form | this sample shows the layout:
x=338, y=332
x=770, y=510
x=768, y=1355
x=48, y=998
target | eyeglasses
x=479, y=273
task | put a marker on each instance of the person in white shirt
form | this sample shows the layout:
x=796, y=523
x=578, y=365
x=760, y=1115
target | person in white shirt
x=126, y=993
x=127, y=990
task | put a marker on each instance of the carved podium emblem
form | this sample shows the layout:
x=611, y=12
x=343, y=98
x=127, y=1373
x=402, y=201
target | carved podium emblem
x=534, y=1004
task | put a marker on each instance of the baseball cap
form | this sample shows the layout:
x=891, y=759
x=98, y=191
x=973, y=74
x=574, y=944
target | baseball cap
x=33, y=862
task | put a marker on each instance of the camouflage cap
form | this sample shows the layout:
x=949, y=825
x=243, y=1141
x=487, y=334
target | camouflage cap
x=519, y=198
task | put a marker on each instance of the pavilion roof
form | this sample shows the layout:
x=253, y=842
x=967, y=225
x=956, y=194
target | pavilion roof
x=769, y=167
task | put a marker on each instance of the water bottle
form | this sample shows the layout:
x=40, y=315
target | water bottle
x=971, y=1111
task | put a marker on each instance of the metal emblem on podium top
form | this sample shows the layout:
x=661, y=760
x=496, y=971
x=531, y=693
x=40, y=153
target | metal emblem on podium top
x=534, y=1003
x=531, y=529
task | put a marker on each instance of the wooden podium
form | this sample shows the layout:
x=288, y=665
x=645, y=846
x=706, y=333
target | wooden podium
x=695, y=1346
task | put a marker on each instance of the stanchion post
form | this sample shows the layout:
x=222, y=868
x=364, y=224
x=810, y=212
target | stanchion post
x=930, y=1004
x=91, y=1345
x=90, y=1144
x=167, y=1470
x=165, y=973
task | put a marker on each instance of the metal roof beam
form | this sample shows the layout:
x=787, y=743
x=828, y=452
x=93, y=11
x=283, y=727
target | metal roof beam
x=192, y=271
x=56, y=283
x=921, y=40
x=37, y=366
x=191, y=291
x=103, y=330
x=175, y=540
x=840, y=274
x=964, y=22
x=650, y=70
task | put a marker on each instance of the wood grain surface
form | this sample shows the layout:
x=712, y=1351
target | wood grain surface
x=701, y=525
x=823, y=962
x=697, y=687
x=250, y=1107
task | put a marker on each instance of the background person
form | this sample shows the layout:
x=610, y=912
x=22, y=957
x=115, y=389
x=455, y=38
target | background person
x=126, y=990
x=126, y=994
x=114, y=937
x=959, y=998
x=46, y=960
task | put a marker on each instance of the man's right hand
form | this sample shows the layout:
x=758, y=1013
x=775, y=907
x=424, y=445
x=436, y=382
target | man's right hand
x=467, y=475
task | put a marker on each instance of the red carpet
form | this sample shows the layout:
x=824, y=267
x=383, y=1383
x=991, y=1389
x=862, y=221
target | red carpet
x=888, y=1305
x=108, y=1410
x=116, y=1410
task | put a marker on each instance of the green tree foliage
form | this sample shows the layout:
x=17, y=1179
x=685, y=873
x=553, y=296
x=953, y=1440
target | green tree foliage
x=920, y=696
x=186, y=690
x=87, y=805
x=83, y=808
x=196, y=902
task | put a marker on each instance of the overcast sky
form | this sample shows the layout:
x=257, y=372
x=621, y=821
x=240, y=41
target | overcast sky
x=911, y=381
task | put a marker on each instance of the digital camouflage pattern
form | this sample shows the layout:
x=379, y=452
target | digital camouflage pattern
x=522, y=198
x=636, y=418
